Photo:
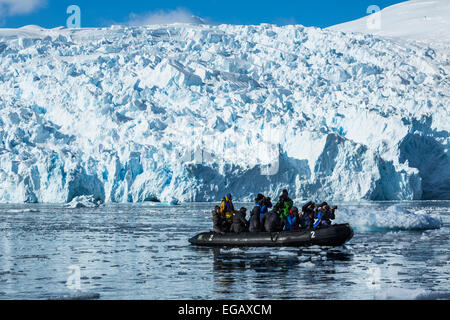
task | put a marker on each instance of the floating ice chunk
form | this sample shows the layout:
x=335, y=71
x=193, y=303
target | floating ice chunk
x=78, y=295
x=378, y=260
x=23, y=210
x=84, y=202
x=413, y=294
x=393, y=218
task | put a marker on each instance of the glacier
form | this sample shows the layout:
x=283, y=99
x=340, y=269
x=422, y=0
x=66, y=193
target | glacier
x=427, y=21
x=187, y=113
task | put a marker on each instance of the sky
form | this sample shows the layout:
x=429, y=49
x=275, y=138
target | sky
x=104, y=13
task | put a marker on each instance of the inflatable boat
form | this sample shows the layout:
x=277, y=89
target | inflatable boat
x=333, y=236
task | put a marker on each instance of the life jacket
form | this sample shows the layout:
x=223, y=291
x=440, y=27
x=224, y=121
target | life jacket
x=227, y=209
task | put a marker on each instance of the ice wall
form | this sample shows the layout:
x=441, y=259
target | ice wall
x=189, y=113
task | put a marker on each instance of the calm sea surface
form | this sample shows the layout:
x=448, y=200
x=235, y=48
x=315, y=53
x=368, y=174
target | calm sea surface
x=142, y=252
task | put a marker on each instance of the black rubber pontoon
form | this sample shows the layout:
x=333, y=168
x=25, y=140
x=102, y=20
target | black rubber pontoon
x=333, y=236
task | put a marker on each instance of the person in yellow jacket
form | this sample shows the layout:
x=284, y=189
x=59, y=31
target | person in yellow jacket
x=227, y=209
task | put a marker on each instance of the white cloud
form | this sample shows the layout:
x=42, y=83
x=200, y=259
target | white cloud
x=17, y=7
x=164, y=17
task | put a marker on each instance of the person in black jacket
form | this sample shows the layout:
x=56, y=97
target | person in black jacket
x=240, y=224
x=255, y=221
x=218, y=221
x=272, y=222
x=309, y=212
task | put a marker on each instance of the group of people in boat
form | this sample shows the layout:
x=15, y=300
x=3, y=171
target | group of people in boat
x=265, y=217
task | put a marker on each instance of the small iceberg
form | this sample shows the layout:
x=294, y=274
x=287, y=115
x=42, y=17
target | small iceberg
x=394, y=218
x=84, y=202
x=23, y=211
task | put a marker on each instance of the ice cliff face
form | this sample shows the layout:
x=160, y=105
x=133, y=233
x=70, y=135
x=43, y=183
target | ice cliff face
x=189, y=113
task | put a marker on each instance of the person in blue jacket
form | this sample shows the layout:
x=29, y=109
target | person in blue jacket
x=265, y=205
x=324, y=215
x=291, y=222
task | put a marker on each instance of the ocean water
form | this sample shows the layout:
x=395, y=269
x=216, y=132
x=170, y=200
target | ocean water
x=401, y=250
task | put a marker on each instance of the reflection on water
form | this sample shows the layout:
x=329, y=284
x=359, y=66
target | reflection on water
x=142, y=252
x=263, y=270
